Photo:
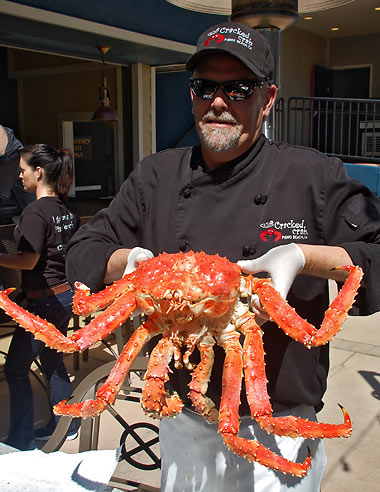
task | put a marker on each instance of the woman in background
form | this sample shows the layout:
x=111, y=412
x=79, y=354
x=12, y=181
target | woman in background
x=46, y=226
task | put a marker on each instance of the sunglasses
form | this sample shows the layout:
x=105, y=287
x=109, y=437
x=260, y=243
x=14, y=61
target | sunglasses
x=236, y=90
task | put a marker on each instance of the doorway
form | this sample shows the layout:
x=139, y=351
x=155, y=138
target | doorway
x=340, y=107
x=352, y=83
x=94, y=145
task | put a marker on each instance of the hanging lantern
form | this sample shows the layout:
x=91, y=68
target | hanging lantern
x=104, y=111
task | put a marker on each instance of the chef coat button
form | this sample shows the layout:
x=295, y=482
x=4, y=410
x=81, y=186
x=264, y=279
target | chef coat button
x=183, y=247
x=248, y=250
x=260, y=199
x=187, y=192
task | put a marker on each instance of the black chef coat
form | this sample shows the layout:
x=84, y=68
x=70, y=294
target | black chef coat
x=274, y=194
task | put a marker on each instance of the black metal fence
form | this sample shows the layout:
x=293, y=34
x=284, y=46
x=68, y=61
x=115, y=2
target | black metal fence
x=346, y=128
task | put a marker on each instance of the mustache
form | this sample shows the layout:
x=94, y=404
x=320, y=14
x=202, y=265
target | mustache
x=225, y=117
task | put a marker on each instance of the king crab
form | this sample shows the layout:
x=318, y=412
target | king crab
x=193, y=300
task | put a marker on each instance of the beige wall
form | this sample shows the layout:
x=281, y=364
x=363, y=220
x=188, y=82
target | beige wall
x=49, y=85
x=356, y=51
x=44, y=98
x=300, y=51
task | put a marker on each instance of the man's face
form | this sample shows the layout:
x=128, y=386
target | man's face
x=227, y=128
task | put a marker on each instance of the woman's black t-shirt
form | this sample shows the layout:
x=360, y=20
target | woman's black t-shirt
x=45, y=228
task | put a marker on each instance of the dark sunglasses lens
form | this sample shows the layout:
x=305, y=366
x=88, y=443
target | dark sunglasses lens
x=235, y=91
x=238, y=91
x=203, y=88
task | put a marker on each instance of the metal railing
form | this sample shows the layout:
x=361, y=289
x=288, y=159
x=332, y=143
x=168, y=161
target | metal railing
x=346, y=128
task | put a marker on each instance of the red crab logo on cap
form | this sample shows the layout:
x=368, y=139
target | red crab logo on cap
x=218, y=37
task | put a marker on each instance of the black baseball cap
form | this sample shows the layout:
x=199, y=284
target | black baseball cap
x=238, y=40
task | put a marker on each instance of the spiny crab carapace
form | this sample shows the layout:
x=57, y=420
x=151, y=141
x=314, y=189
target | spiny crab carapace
x=193, y=301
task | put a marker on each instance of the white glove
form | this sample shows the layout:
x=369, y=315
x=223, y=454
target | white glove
x=136, y=256
x=283, y=263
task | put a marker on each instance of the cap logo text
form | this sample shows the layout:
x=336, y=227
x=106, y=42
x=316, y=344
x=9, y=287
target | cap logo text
x=232, y=35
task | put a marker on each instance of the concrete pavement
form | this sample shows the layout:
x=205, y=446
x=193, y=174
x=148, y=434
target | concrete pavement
x=354, y=381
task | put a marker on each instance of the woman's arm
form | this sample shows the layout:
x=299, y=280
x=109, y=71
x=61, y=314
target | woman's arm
x=20, y=261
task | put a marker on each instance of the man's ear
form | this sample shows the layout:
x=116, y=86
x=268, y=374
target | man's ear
x=3, y=141
x=270, y=95
x=192, y=100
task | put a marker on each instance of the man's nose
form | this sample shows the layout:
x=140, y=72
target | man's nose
x=220, y=99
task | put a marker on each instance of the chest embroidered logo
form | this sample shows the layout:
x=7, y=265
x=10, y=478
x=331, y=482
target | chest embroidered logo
x=270, y=235
x=275, y=230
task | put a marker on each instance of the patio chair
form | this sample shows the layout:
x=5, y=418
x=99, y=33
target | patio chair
x=144, y=435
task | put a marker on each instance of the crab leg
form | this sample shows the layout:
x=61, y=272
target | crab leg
x=106, y=321
x=254, y=367
x=85, y=303
x=279, y=310
x=252, y=450
x=99, y=328
x=200, y=379
x=337, y=312
x=41, y=329
x=107, y=393
x=294, y=427
x=231, y=384
x=156, y=402
x=296, y=327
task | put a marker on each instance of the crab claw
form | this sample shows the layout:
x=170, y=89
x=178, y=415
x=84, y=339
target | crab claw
x=80, y=299
x=85, y=303
x=84, y=409
x=293, y=427
x=155, y=400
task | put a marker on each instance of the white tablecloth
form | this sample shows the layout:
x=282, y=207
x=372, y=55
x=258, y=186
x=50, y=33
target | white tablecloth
x=27, y=471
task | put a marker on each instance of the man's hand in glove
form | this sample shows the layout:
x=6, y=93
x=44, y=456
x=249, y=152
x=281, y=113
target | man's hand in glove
x=136, y=256
x=282, y=264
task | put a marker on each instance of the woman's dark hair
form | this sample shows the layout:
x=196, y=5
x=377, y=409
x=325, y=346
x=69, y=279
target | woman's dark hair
x=57, y=164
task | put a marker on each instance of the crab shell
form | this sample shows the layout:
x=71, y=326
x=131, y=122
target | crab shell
x=186, y=283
